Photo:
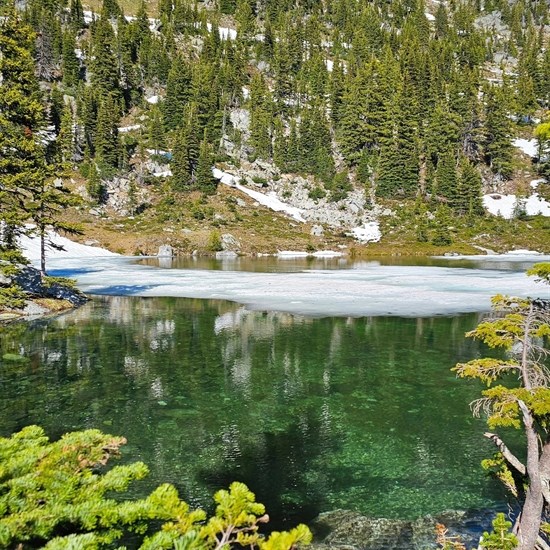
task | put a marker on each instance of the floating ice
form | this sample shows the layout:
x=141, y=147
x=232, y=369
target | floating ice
x=366, y=289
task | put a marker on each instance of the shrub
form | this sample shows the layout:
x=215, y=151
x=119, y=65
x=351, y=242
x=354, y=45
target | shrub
x=69, y=481
x=317, y=193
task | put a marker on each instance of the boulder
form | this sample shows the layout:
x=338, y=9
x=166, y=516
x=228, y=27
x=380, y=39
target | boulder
x=230, y=243
x=165, y=251
x=317, y=231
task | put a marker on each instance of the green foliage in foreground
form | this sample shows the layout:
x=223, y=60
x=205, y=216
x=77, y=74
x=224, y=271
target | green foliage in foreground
x=54, y=494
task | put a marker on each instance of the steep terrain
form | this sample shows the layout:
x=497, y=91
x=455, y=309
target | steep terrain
x=406, y=127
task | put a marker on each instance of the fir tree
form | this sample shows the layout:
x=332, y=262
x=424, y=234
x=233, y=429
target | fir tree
x=110, y=9
x=22, y=159
x=498, y=142
x=204, y=180
x=178, y=93
x=182, y=165
x=446, y=180
x=107, y=149
x=76, y=14
x=260, y=117
x=469, y=200
x=104, y=65
x=70, y=64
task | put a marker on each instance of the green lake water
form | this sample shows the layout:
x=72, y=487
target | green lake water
x=313, y=414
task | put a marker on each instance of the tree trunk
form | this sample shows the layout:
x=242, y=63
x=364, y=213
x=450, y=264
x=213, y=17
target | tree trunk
x=42, y=253
x=531, y=514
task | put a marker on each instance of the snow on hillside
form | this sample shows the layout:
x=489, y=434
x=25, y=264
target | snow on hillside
x=31, y=248
x=528, y=146
x=369, y=232
x=504, y=205
x=269, y=200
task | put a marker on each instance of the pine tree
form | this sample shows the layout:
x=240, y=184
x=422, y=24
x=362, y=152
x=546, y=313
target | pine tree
x=22, y=162
x=227, y=6
x=498, y=145
x=67, y=139
x=178, y=93
x=70, y=64
x=181, y=165
x=47, y=44
x=76, y=14
x=442, y=222
x=155, y=130
x=107, y=149
x=110, y=9
x=204, y=180
x=469, y=198
x=446, y=180
x=104, y=65
x=87, y=106
x=260, y=117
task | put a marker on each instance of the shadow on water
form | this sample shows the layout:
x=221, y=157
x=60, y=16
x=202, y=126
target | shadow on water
x=123, y=290
x=275, y=469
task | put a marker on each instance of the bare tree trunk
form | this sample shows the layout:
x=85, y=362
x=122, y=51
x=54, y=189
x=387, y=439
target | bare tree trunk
x=42, y=253
x=530, y=520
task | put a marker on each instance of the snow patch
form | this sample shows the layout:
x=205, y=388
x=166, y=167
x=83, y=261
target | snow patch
x=504, y=205
x=224, y=32
x=500, y=205
x=30, y=247
x=528, y=146
x=163, y=173
x=153, y=100
x=125, y=129
x=369, y=232
x=270, y=200
x=535, y=183
x=536, y=205
x=429, y=16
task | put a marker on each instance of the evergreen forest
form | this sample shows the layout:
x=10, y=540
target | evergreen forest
x=411, y=100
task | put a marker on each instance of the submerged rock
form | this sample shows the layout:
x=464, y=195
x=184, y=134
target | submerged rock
x=348, y=530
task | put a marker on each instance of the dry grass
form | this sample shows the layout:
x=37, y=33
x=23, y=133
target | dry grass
x=129, y=7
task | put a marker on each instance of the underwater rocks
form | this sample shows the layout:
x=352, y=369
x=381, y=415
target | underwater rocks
x=348, y=530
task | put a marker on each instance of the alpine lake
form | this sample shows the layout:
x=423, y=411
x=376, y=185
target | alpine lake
x=313, y=414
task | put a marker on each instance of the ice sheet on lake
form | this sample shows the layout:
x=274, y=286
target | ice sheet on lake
x=368, y=289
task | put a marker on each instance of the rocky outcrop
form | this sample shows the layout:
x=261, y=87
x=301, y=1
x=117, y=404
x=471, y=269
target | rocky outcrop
x=40, y=296
x=29, y=279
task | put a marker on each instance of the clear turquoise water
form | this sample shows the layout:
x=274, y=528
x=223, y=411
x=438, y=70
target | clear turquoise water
x=313, y=414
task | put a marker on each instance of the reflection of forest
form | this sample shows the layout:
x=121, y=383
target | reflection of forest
x=312, y=413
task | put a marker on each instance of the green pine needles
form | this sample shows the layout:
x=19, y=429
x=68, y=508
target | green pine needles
x=61, y=495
